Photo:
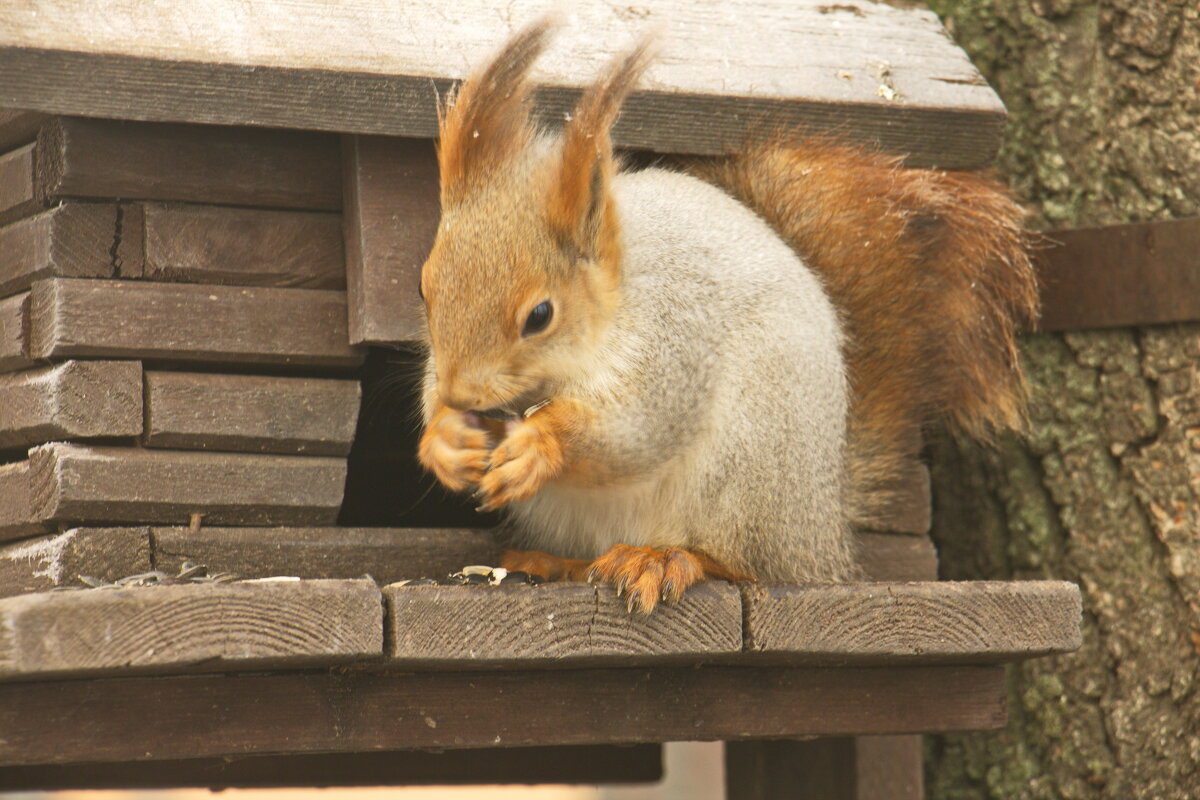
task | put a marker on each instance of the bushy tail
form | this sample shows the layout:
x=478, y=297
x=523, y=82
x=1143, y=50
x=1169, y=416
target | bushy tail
x=930, y=273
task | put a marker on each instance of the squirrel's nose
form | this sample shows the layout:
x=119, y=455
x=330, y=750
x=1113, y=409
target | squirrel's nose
x=459, y=395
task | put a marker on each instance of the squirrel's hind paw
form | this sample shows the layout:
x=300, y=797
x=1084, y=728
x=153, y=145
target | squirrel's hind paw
x=646, y=575
x=552, y=568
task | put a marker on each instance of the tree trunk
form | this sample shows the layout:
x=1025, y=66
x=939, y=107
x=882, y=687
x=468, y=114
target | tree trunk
x=1104, y=101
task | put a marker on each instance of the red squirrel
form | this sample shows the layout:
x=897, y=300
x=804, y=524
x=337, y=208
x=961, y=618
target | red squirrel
x=664, y=376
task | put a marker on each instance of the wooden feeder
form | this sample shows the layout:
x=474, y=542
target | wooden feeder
x=208, y=211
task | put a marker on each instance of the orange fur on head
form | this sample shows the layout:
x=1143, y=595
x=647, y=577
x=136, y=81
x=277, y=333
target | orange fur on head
x=485, y=123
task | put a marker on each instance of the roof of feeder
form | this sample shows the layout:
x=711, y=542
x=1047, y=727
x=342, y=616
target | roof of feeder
x=726, y=69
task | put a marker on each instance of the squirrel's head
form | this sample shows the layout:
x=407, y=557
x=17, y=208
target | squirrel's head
x=526, y=267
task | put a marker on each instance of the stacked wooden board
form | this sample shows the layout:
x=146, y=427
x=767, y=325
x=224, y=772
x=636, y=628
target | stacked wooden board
x=173, y=340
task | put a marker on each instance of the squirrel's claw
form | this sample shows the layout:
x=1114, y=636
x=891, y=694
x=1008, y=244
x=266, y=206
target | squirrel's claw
x=648, y=574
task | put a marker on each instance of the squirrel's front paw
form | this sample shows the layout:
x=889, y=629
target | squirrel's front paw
x=530, y=455
x=455, y=449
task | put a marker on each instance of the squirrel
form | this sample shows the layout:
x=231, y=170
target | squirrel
x=670, y=375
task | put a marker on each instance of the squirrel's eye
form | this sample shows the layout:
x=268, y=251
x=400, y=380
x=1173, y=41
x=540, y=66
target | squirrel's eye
x=538, y=319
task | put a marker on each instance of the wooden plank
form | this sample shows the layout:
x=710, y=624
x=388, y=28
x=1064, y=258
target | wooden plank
x=241, y=246
x=79, y=157
x=975, y=621
x=18, y=127
x=891, y=557
x=218, y=626
x=75, y=483
x=391, y=215
x=554, y=622
x=833, y=768
x=17, y=196
x=884, y=73
x=252, y=413
x=14, y=333
x=907, y=508
x=1139, y=273
x=72, y=240
x=37, y=565
x=221, y=324
x=581, y=764
x=387, y=554
x=17, y=517
x=74, y=400
x=354, y=711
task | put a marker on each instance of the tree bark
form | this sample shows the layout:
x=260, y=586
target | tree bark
x=1104, y=99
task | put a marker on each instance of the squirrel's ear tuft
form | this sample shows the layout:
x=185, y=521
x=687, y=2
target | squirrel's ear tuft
x=579, y=212
x=486, y=121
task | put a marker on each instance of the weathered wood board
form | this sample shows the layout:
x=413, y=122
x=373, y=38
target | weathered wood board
x=17, y=517
x=579, y=764
x=18, y=127
x=980, y=621
x=17, y=197
x=467, y=626
x=201, y=411
x=75, y=483
x=79, y=157
x=896, y=557
x=391, y=215
x=909, y=506
x=879, y=72
x=831, y=768
x=73, y=400
x=209, y=626
x=1139, y=273
x=47, y=562
x=354, y=711
x=71, y=317
x=74, y=240
x=227, y=245
x=386, y=554
x=14, y=333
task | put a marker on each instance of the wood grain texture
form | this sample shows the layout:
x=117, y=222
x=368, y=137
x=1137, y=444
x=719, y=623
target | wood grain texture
x=74, y=483
x=72, y=240
x=724, y=70
x=202, y=411
x=14, y=333
x=158, y=718
x=37, y=565
x=1116, y=276
x=554, y=622
x=579, y=764
x=19, y=127
x=17, y=517
x=387, y=554
x=79, y=157
x=73, y=400
x=977, y=621
x=391, y=216
x=17, y=196
x=220, y=324
x=892, y=557
x=241, y=246
x=221, y=626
